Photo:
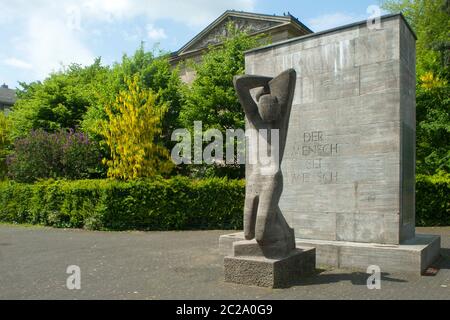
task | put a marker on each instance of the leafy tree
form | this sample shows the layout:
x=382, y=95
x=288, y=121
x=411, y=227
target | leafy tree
x=433, y=125
x=4, y=143
x=132, y=132
x=212, y=99
x=154, y=73
x=60, y=101
x=431, y=21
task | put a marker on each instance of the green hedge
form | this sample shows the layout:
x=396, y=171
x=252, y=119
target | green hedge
x=175, y=204
x=433, y=200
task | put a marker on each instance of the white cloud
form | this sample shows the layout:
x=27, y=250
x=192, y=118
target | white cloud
x=17, y=63
x=155, y=33
x=192, y=13
x=48, y=44
x=43, y=34
x=333, y=20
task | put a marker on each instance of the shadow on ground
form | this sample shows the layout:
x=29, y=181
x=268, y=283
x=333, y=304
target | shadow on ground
x=360, y=278
x=356, y=278
x=444, y=260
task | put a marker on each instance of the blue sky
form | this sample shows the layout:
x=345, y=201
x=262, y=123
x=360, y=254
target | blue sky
x=39, y=36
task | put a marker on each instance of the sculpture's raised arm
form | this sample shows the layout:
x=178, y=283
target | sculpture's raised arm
x=283, y=87
x=243, y=85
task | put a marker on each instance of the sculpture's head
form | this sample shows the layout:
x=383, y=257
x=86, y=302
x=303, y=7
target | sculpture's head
x=269, y=108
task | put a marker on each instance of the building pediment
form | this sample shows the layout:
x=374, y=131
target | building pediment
x=215, y=35
x=250, y=22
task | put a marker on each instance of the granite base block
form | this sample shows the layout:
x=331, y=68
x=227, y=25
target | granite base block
x=412, y=257
x=272, y=273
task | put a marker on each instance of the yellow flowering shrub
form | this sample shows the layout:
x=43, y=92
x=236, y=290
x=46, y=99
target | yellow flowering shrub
x=132, y=132
x=429, y=81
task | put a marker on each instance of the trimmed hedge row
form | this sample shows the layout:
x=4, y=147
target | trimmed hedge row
x=175, y=204
x=433, y=200
x=159, y=205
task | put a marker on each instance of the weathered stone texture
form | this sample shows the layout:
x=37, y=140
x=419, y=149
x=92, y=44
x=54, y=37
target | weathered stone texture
x=257, y=270
x=350, y=153
x=413, y=256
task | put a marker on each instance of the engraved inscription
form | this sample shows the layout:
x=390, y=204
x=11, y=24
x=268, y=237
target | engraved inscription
x=311, y=153
x=313, y=178
x=320, y=150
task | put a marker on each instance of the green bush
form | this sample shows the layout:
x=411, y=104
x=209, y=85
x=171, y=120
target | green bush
x=62, y=154
x=433, y=200
x=160, y=205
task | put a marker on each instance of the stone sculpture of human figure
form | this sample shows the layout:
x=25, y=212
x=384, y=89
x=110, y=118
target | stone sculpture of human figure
x=270, y=110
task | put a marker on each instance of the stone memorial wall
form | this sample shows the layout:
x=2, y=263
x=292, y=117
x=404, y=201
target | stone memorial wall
x=349, y=162
x=350, y=154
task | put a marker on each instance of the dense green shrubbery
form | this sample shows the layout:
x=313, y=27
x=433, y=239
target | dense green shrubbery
x=433, y=200
x=5, y=144
x=175, y=204
x=62, y=154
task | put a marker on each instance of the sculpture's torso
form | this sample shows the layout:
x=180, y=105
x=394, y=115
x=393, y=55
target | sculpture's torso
x=269, y=116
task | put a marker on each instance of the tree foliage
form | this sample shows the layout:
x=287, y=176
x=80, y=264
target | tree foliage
x=60, y=101
x=431, y=21
x=433, y=125
x=131, y=133
x=154, y=73
x=5, y=143
x=212, y=98
x=77, y=97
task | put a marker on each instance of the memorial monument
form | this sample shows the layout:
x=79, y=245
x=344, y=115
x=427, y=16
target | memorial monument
x=269, y=256
x=349, y=158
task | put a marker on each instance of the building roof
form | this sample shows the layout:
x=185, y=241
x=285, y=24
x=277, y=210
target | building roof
x=7, y=96
x=263, y=23
x=333, y=30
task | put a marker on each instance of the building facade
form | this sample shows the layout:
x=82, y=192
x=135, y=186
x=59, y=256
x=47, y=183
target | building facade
x=7, y=98
x=276, y=28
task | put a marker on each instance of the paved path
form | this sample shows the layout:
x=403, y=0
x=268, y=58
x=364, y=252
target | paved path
x=170, y=265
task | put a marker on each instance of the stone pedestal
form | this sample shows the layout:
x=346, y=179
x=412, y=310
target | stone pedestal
x=412, y=257
x=248, y=266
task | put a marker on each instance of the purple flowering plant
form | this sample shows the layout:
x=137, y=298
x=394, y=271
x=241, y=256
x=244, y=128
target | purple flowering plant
x=64, y=154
